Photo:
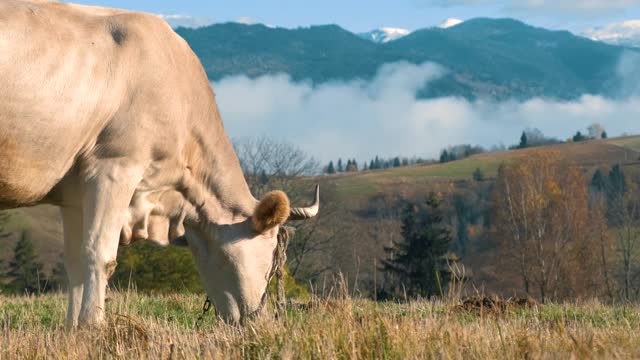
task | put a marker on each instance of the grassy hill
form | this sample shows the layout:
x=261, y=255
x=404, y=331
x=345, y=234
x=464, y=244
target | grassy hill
x=359, y=198
x=588, y=154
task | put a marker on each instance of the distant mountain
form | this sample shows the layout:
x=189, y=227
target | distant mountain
x=450, y=22
x=384, y=35
x=626, y=33
x=487, y=58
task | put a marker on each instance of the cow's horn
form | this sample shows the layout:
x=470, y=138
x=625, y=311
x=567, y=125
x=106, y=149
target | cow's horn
x=307, y=212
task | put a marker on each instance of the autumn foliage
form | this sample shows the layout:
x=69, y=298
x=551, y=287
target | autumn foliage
x=543, y=223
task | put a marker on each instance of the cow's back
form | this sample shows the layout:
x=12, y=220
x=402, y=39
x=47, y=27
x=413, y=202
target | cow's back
x=66, y=72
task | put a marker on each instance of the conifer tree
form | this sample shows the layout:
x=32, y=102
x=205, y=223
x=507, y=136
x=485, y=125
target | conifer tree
x=598, y=181
x=418, y=261
x=444, y=156
x=24, y=270
x=524, y=141
x=331, y=169
x=340, y=167
x=372, y=166
x=478, y=175
x=617, y=181
x=396, y=162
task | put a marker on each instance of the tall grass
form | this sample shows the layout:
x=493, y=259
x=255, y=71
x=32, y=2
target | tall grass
x=162, y=327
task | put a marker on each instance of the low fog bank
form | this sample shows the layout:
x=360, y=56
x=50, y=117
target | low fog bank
x=362, y=119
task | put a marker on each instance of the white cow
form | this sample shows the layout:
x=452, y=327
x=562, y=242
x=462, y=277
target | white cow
x=109, y=115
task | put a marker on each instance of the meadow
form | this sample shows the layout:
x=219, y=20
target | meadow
x=163, y=327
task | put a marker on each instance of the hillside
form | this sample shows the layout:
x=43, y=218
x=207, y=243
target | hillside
x=587, y=154
x=488, y=58
x=360, y=197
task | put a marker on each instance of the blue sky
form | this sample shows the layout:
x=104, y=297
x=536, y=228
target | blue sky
x=364, y=15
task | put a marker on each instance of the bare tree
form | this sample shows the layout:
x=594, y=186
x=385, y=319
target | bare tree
x=271, y=164
x=628, y=242
x=541, y=213
x=596, y=130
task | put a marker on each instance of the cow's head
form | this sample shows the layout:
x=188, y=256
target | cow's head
x=235, y=261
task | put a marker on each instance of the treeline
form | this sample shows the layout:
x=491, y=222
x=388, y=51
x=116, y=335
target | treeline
x=529, y=138
x=377, y=163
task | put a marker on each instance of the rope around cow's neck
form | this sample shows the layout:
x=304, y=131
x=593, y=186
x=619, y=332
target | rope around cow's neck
x=277, y=269
x=279, y=260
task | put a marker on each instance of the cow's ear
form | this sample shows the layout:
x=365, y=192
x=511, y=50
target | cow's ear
x=271, y=211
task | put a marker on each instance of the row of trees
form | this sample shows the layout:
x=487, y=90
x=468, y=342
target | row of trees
x=531, y=137
x=374, y=164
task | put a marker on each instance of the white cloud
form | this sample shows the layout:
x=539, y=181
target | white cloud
x=580, y=5
x=620, y=33
x=362, y=119
x=179, y=20
x=546, y=6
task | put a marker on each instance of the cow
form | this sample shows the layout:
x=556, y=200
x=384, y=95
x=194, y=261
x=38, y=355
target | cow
x=109, y=115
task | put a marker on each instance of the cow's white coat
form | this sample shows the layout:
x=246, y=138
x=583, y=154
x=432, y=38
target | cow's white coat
x=109, y=115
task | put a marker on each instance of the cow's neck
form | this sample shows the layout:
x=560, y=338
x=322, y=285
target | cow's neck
x=215, y=184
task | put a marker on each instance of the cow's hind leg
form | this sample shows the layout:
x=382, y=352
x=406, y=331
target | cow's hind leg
x=73, y=261
x=106, y=201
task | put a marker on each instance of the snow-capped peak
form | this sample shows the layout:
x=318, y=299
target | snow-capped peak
x=385, y=34
x=450, y=22
x=622, y=33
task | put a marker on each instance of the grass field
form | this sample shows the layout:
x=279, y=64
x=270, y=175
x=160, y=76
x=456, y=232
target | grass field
x=162, y=327
x=629, y=142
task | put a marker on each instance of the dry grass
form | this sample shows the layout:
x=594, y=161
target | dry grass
x=162, y=327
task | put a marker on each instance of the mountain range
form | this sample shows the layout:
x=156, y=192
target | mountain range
x=486, y=58
x=384, y=35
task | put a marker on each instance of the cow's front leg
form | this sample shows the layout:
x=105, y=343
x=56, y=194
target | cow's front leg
x=73, y=261
x=106, y=202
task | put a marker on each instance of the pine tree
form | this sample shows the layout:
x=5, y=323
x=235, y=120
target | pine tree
x=615, y=191
x=524, y=142
x=604, y=135
x=24, y=269
x=617, y=181
x=418, y=261
x=396, y=162
x=444, y=156
x=478, y=175
x=372, y=166
x=378, y=163
x=579, y=137
x=598, y=181
x=331, y=169
x=340, y=168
